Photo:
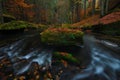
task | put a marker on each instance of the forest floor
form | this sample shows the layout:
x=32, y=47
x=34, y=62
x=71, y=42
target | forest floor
x=95, y=20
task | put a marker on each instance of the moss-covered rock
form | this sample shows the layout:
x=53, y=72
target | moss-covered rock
x=13, y=25
x=65, y=56
x=61, y=36
x=86, y=27
x=42, y=27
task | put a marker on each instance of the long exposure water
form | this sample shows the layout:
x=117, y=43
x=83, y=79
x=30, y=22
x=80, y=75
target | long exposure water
x=104, y=61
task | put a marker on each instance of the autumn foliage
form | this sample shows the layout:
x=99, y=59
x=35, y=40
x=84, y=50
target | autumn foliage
x=20, y=9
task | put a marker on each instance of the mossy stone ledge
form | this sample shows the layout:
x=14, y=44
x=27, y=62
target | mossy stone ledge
x=15, y=27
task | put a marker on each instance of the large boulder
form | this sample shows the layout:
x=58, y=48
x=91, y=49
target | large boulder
x=61, y=36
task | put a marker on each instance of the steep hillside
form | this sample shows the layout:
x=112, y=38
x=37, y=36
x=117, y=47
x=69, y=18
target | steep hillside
x=94, y=20
x=89, y=20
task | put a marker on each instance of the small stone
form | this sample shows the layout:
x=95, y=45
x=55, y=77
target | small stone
x=11, y=75
x=15, y=78
x=49, y=75
x=57, y=77
x=35, y=72
x=61, y=71
x=22, y=78
x=44, y=68
x=37, y=77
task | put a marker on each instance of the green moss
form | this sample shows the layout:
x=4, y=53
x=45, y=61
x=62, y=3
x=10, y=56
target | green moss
x=61, y=36
x=66, y=26
x=86, y=27
x=9, y=16
x=65, y=56
x=42, y=27
x=15, y=25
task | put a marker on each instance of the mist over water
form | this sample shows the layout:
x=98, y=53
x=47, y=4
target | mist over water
x=103, y=63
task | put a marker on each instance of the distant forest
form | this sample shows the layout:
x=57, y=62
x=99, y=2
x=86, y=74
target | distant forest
x=53, y=11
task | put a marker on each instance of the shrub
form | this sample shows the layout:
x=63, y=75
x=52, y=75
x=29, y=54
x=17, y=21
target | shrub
x=61, y=36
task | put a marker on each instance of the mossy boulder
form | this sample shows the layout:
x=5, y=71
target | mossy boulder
x=65, y=56
x=13, y=25
x=61, y=36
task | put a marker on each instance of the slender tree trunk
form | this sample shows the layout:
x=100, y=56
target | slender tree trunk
x=37, y=11
x=93, y=6
x=102, y=4
x=107, y=6
x=74, y=14
x=1, y=13
x=71, y=10
x=78, y=12
x=84, y=8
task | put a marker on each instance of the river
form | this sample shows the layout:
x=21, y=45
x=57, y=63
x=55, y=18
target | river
x=24, y=49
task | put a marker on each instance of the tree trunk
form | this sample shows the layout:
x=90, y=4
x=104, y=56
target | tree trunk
x=93, y=6
x=37, y=11
x=78, y=12
x=107, y=6
x=84, y=8
x=102, y=4
x=1, y=13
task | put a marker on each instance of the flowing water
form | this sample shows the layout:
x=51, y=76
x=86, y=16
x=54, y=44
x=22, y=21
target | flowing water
x=104, y=61
x=23, y=52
